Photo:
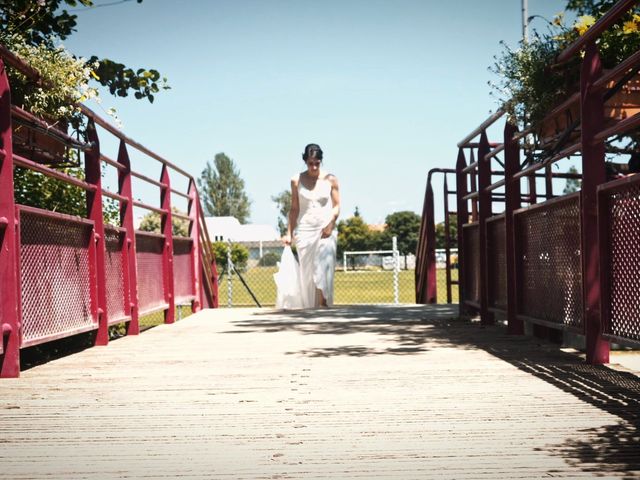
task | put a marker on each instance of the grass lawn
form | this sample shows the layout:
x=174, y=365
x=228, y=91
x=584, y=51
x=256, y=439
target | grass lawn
x=350, y=287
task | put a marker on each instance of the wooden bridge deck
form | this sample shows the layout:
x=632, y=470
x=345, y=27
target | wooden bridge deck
x=364, y=392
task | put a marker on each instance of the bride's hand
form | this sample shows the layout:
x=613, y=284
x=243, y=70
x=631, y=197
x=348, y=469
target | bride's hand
x=326, y=231
x=286, y=239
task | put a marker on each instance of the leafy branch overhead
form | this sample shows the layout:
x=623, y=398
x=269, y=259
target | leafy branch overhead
x=46, y=23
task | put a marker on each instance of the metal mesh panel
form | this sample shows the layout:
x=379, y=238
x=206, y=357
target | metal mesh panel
x=150, y=271
x=624, y=267
x=497, y=263
x=471, y=239
x=55, y=277
x=551, y=272
x=182, y=269
x=114, y=275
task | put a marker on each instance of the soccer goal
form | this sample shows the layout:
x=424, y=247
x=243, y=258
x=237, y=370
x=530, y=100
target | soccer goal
x=375, y=261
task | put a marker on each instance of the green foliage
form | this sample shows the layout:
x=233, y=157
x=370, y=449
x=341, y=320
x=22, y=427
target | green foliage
x=269, y=259
x=43, y=24
x=33, y=30
x=151, y=223
x=239, y=256
x=353, y=235
x=222, y=190
x=65, y=81
x=39, y=22
x=453, y=231
x=573, y=184
x=406, y=226
x=36, y=190
x=380, y=240
x=590, y=7
x=529, y=87
x=283, y=201
x=121, y=80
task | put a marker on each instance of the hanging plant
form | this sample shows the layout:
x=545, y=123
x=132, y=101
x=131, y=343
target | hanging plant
x=530, y=85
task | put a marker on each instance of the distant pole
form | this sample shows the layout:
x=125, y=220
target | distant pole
x=229, y=284
x=396, y=270
x=525, y=21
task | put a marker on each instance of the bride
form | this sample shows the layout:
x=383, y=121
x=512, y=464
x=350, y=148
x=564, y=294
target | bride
x=315, y=206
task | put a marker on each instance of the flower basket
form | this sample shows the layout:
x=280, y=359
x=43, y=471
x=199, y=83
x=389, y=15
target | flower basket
x=623, y=104
x=35, y=145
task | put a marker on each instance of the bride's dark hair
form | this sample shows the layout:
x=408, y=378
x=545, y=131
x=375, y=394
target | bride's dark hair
x=312, y=150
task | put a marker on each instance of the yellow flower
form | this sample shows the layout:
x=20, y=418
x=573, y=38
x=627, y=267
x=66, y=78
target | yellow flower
x=629, y=27
x=583, y=23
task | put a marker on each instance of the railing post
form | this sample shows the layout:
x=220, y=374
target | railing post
x=484, y=212
x=548, y=182
x=463, y=218
x=93, y=176
x=9, y=243
x=593, y=174
x=421, y=252
x=474, y=188
x=167, y=251
x=129, y=260
x=216, y=286
x=196, y=257
x=512, y=203
x=432, y=284
x=447, y=237
x=208, y=269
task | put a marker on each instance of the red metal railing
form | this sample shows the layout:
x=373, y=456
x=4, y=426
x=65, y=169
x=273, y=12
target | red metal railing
x=62, y=274
x=569, y=263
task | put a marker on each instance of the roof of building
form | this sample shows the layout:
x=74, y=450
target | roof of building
x=231, y=228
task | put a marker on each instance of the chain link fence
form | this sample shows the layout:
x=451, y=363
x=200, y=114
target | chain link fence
x=372, y=277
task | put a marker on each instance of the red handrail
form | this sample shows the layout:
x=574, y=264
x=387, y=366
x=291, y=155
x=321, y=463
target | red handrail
x=203, y=278
x=592, y=34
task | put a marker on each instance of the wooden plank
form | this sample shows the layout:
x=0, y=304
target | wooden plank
x=355, y=392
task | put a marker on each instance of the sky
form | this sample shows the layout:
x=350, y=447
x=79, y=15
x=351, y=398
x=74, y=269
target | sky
x=387, y=88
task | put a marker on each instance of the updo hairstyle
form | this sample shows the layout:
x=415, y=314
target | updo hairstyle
x=312, y=151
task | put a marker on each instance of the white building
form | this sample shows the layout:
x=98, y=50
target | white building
x=229, y=228
x=259, y=239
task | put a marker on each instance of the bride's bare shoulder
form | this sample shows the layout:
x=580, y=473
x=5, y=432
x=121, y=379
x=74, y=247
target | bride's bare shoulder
x=332, y=179
x=295, y=180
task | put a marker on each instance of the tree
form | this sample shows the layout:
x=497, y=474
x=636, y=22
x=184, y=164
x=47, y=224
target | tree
x=47, y=23
x=573, y=184
x=283, y=201
x=151, y=223
x=453, y=231
x=379, y=240
x=406, y=226
x=239, y=256
x=223, y=190
x=353, y=235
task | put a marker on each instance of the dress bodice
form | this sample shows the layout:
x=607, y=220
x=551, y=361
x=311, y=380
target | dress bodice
x=315, y=204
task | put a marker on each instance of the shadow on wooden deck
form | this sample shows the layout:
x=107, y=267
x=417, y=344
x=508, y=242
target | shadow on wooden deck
x=416, y=329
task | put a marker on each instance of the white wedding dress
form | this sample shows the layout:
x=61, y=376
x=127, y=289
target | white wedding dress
x=317, y=256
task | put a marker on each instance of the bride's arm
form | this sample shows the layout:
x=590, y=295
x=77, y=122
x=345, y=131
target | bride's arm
x=293, y=212
x=335, y=201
